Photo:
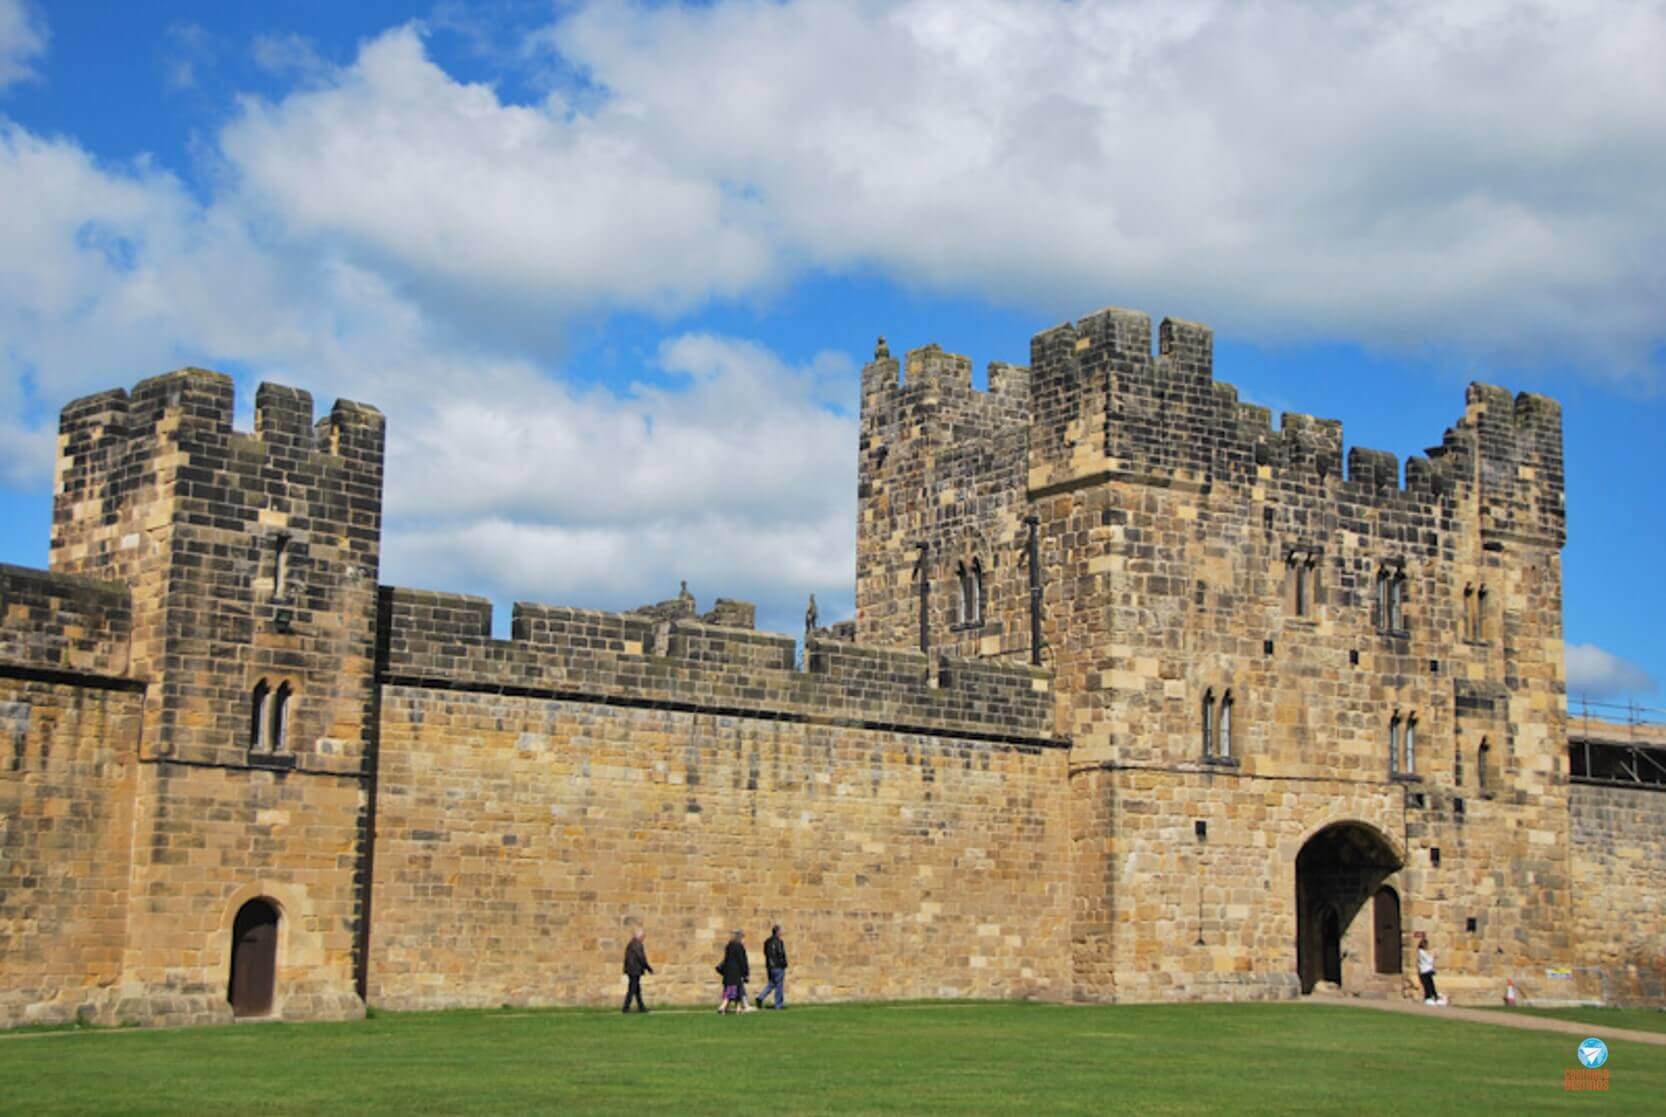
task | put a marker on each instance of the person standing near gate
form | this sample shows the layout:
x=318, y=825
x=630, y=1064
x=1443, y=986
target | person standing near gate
x=1426, y=971
x=636, y=964
x=775, y=964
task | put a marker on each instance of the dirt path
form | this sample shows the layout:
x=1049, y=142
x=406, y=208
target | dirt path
x=1502, y=1019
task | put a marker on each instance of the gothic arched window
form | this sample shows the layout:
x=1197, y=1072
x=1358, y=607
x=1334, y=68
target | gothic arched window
x=1223, y=730
x=279, y=733
x=258, y=702
x=1208, y=723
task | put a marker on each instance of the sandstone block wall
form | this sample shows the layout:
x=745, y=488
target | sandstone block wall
x=1191, y=552
x=519, y=839
x=1214, y=916
x=69, y=736
x=450, y=819
x=208, y=840
x=1618, y=919
x=536, y=797
x=67, y=777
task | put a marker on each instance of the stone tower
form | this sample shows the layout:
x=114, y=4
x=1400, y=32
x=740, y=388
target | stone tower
x=1297, y=689
x=252, y=563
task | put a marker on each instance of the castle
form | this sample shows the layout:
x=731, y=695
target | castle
x=1144, y=699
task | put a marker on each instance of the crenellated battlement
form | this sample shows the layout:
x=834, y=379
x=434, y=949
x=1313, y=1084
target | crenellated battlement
x=932, y=382
x=171, y=441
x=1104, y=403
x=443, y=641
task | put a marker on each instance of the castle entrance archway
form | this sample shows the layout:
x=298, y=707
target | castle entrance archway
x=1338, y=871
x=254, y=959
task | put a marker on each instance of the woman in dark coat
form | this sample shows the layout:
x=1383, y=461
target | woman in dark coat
x=735, y=970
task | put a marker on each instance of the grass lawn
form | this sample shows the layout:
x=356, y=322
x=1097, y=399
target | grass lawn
x=937, y=1058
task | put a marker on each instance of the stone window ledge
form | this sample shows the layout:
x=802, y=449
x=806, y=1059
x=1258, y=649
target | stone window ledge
x=966, y=626
x=278, y=761
x=1406, y=777
x=1221, y=761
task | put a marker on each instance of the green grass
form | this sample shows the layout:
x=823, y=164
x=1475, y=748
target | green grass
x=1637, y=1019
x=918, y=1058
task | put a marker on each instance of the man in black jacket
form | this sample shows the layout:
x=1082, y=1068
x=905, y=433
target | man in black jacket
x=775, y=962
x=636, y=964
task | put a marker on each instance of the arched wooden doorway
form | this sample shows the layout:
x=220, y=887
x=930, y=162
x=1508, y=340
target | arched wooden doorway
x=1337, y=873
x=1385, y=923
x=254, y=959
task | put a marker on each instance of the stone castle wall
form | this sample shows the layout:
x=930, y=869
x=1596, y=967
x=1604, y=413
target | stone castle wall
x=69, y=738
x=538, y=797
x=442, y=818
x=1618, y=919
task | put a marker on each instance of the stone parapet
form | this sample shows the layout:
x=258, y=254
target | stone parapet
x=63, y=623
x=442, y=641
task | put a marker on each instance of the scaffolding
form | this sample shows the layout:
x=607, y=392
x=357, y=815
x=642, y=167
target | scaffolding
x=1619, y=745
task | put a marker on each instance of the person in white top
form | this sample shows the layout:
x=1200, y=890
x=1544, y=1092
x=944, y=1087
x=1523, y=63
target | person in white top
x=1426, y=971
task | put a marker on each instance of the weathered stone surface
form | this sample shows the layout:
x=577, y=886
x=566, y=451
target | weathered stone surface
x=210, y=700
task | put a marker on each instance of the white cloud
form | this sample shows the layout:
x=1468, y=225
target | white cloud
x=1479, y=176
x=738, y=434
x=187, y=47
x=22, y=41
x=774, y=565
x=287, y=54
x=1597, y=674
x=725, y=465
x=1478, y=179
x=489, y=203
x=735, y=478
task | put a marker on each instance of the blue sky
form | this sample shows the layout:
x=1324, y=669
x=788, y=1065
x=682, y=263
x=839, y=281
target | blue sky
x=612, y=269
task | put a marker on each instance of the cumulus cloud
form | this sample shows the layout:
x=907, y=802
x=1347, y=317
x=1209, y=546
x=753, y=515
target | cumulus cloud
x=734, y=476
x=1598, y=674
x=1467, y=176
x=1476, y=179
x=22, y=41
x=725, y=464
x=488, y=203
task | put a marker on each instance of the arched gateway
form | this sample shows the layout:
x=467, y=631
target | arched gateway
x=1338, y=871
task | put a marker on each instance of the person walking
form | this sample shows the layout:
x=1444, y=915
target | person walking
x=636, y=964
x=735, y=969
x=1426, y=971
x=775, y=964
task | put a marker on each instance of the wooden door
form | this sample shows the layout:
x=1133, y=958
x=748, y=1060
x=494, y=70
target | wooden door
x=1386, y=920
x=254, y=959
